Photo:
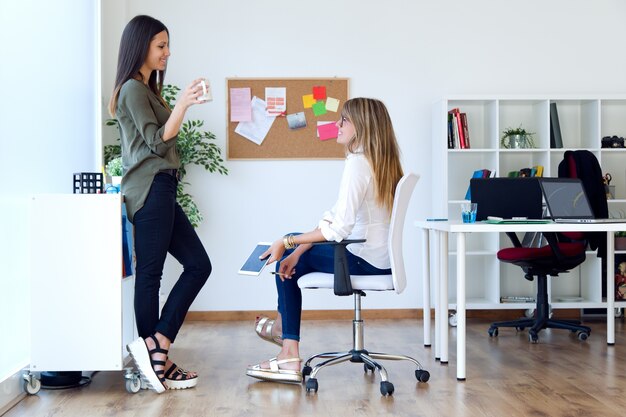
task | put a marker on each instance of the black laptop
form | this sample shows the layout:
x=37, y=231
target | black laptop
x=507, y=198
x=568, y=203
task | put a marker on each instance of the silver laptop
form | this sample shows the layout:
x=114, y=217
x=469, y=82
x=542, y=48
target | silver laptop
x=567, y=201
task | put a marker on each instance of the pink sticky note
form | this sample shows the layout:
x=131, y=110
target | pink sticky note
x=327, y=131
x=319, y=92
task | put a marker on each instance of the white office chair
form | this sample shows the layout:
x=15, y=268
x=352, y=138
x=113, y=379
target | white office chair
x=344, y=284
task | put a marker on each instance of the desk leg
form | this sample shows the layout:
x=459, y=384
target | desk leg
x=443, y=295
x=610, y=289
x=460, y=306
x=426, y=286
x=435, y=272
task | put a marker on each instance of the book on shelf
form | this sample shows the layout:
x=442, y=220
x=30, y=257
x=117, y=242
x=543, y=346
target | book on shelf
x=536, y=171
x=556, y=141
x=516, y=299
x=479, y=173
x=454, y=118
x=451, y=144
x=465, y=129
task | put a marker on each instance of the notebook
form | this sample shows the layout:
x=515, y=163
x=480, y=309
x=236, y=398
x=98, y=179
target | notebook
x=507, y=198
x=568, y=203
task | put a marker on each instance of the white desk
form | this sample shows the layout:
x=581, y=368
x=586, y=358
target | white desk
x=440, y=231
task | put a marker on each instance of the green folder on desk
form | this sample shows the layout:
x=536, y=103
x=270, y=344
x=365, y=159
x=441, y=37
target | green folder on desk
x=518, y=221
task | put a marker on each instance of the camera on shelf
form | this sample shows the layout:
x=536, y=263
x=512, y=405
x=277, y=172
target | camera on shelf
x=612, y=142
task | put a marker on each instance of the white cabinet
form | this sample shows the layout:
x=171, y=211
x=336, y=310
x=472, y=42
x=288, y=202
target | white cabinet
x=81, y=309
x=584, y=120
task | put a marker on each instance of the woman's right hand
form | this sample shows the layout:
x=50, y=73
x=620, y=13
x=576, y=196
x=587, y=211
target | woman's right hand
x=288, y=265
x=190, y=95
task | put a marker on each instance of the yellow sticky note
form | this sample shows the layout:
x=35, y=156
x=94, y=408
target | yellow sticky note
x=308, y=101
x=332, y=104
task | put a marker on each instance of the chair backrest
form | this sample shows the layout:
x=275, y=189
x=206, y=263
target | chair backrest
x=584, y=165
x=404, y=190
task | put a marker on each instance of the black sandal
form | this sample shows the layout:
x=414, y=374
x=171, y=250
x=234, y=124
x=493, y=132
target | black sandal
x=141, y=355
x=157, y=349
x=178, y=378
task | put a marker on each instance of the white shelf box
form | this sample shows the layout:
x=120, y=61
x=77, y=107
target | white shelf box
x=481, y=121
x=580, y=123
x=480, y=270
x=613, y=118
x=513, y=283
x=614, y=162
x=461, y=167
x=528, y=114
x=516, y=160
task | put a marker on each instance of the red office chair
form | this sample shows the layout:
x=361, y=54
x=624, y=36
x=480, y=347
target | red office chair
x=563, y=252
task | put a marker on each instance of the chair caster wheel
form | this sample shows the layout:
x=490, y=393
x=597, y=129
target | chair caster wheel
x=133, y=386
x=306, y=371
x=533, y=337
x=311, y=385
x=582, y=336
x=31, y=384
x=368, y=368
x=520, y=328
x=386, y=388
x=493, y=332
x=422, y=375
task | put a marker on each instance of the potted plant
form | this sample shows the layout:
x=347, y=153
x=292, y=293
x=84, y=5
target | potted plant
x=114, y=169
x=517, y=138
x=620, y=240
x=194, y=147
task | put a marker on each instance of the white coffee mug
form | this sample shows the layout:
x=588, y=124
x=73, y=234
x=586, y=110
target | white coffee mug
x=206, y=91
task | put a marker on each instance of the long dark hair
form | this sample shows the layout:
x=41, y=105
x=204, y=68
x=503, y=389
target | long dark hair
x=134, y=47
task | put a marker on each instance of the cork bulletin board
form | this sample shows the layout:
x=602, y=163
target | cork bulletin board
x=282, y=142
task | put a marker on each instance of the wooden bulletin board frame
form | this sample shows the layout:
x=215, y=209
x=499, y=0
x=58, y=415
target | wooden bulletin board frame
x=282, y=142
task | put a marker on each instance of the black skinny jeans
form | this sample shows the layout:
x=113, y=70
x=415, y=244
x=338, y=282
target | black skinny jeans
x=161, y=226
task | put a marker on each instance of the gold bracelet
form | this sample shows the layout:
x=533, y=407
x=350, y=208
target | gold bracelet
x=288, y=241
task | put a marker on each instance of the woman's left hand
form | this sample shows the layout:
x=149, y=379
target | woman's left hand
x=275, y=251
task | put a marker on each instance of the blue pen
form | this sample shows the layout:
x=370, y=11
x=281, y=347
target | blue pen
x=436, y=220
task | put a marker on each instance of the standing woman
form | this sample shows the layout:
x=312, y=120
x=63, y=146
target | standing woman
x=148, y=129
x=362, y=211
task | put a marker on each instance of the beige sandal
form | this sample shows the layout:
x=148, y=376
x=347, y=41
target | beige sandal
x=274, y=373
x=268, y=324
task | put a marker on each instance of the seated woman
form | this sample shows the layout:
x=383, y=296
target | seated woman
x=362, y=211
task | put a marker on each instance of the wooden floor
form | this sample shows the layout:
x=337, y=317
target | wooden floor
x=507, y=376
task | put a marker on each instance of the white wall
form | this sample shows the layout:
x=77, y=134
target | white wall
x=408, y=54
x=49, y=129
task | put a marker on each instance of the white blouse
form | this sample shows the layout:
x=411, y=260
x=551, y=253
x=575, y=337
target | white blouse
x=356, y=215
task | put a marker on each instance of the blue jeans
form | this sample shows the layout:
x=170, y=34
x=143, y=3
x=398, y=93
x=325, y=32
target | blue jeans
x=161, y=226
x=319, y=258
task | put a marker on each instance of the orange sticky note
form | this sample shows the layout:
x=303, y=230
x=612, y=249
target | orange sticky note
x=308, y=101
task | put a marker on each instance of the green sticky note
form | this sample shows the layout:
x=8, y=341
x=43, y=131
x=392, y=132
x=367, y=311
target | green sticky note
x=319, y=108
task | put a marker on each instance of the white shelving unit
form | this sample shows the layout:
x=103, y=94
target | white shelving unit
x=82, y=313
x=584, y=120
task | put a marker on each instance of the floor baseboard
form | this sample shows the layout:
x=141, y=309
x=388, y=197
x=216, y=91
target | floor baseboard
x=403, y=313
x=11, y=391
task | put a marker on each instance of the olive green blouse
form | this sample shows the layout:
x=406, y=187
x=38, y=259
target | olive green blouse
x=142, y=116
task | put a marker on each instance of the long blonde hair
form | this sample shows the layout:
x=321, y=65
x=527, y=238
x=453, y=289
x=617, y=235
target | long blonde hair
x=374, y=136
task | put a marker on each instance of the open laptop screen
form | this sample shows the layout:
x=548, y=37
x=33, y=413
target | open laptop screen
x=566, y=198
x=507, y=197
